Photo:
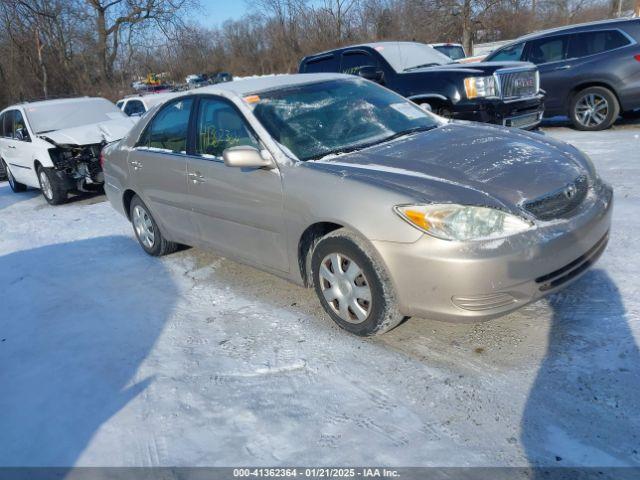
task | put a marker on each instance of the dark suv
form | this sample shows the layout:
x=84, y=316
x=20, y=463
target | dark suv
x=590, y=72
x=505, y=93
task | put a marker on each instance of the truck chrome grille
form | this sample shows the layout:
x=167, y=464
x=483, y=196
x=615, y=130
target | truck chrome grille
x=560, y=203
x=518, y=84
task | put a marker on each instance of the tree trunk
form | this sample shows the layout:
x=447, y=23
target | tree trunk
x=615, y=8
x=103, y=39
x=43, y=66
x=467, y=33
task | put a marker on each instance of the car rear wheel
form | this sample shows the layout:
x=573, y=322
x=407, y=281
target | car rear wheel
x=594, y=108
x=147, y=232
x=50, y=187
x=16, y=186
x=353, y=285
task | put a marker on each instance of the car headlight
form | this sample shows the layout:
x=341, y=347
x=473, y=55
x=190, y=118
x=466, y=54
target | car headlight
x=462, y=222
x=480, y=87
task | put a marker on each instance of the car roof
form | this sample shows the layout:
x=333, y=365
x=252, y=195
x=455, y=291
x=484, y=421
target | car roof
x=374, y=45
x=59, y=101
x=255, y=85
x=577, y=27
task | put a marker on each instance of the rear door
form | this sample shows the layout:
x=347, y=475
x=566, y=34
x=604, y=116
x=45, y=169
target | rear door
x=607, y=56
x=238, y=211
x=158, y=169
x=550, y=55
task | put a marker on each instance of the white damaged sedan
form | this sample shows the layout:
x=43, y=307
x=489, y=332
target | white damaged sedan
x=54, y=145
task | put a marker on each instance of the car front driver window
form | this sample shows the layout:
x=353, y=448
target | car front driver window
x=220, y=126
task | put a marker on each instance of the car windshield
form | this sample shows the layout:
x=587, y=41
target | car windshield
x=337, y=116
x=56, y=115
x=409, y=55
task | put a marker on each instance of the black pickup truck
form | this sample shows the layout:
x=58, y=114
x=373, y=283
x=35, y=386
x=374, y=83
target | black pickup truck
x=504, y=93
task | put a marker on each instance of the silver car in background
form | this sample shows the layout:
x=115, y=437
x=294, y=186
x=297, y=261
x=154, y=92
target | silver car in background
x=339, y=184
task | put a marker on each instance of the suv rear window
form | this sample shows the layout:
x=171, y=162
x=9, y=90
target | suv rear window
x=590, y=43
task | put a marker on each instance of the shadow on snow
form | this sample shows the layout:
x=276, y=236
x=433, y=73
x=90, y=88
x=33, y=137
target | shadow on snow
x=583, y=407
x=78, y=320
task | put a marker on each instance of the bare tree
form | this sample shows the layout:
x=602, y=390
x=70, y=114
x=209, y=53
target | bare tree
x=113, y=16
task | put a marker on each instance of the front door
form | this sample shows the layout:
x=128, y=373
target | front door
x=158, y=170
x=550, y=55
x=238, y=211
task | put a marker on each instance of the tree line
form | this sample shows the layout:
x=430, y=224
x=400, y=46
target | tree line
x=53, y=48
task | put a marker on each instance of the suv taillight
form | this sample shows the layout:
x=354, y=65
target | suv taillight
x=637, y=57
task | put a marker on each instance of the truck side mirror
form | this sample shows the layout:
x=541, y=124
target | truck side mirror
x=371, y=73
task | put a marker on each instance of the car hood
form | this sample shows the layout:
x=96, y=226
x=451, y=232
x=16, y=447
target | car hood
x=108, y=131
x=466, y=163
x=472, y=68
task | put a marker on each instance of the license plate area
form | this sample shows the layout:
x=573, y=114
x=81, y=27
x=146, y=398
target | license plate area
x=522, y=121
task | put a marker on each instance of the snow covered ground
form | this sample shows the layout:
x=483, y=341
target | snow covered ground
x=111, y=357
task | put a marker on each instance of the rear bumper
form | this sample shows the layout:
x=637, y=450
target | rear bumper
x=500, y=112
x=472, y=281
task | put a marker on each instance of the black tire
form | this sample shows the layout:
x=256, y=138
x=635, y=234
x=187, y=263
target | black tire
x=159, y=246
x=610, y=110
x=16, y=186
x=382, y=309
x=54, y=193
x=3, y=171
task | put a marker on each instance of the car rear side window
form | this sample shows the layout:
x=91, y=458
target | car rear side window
x=590, y=43
x=512, y=53
x=221, y=126
x=352, y=62
x=168, y=129
x=328, y=63
x=134, y=107
x=7, y=124
x=545, y=50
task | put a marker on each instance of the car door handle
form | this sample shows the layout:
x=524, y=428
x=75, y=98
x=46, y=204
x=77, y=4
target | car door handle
x=565, y=67
x=196, y=177
x=12, y=146
x=136, y=164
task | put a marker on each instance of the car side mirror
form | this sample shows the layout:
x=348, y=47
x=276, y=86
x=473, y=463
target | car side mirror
x=245, y=156
x=371, y=73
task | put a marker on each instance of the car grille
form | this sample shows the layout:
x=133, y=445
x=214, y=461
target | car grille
x=518, y=84
x=560, y=203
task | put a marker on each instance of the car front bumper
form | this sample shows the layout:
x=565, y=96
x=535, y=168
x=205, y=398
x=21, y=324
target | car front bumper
x=472, y=281
x=525, y=113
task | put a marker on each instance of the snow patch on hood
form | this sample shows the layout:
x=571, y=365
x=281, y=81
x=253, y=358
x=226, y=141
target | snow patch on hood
x=108, y=131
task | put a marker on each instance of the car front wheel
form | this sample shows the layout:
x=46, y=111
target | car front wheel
x=16, y=186
x=147, y=231
x=50, y=186
x=353, y=285
x=594, y=108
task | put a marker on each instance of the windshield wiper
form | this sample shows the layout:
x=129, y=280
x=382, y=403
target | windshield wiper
x=410, y=131
x=362, y=146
